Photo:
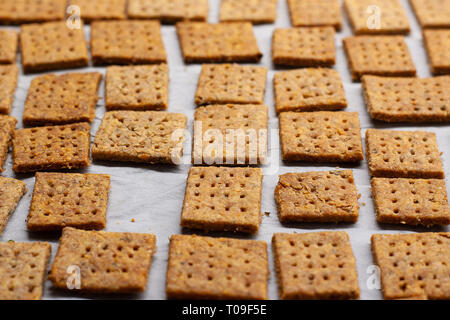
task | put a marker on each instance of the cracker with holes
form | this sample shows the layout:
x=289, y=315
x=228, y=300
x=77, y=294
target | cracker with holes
x=11, y=191
x=231, y=83
x=27, y=11
x=411, y=201
x=315, y=13
x=304, y=47
x=140, y=136
x=51, y=148
x=68, y=200
x=8, y=83
x=7, y=125
x=403, y=154
x=223, y=199
x=320, y=136
x=51, y=46
x=413, y=266
x=318, y=265
x=100, y=9
x=8, y=46
x=309, y=89
x=216, y=268
x=115, y=262
x=432, y=14
x=437, y=44
x=62, y=99
x=23, y=266
x=407, y=99
x=230, y=134
x=168, y=11
x=378, y=55
x=255, y=11
x=127, y=42
x=321, y=196
x=221, y=42
x=137, y=87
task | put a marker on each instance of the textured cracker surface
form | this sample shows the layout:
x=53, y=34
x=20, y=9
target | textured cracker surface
x=432, y=14
x=7, y=125
x=314, y=13
x=26, y=11
x=100, y=9
x=8, y=83
x=8, y=46
x=11, y=191
x=168, y=11
x=255, y=11
x=437, y=44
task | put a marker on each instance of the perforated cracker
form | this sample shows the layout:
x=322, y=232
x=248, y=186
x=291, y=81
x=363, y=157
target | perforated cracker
x=437, y=44
x=413, y=265
x=378, y=55
x=407, y=99
x=320, y=136
x=62, y=99
x=309, y=89
x=8, y=46
x=127, y=42
x=403, y=154
x=101, y=9
x=11, y=191
x=8, y=83
x=68, y=199
x=7, y=125
x=23, y=266
x=51, y=148
x=140, y=136
x=221, y=42
x=432, y=14
x=317, y=265
x=27, y=11
x=137, y=87
x=225, y=199
x=314, y=13
x=113, y=262
x=216, y=268
x=255, y=11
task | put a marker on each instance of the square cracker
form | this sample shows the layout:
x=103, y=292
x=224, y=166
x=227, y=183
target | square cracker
x=318, y=265
x=8, y=84
x=7, y=125
x=221, y=42
x=393, y=19
x=127, y=42
x=140, y=136
x=304, y=47
x=437, y=44
x=309, y=89
x=415, y=265
x=223, y=199
x=51, y=46
x=320, y=136
x=27, y=11
x=231, y=83
x=8, y=46
x=432, y=14
x=11, y=191
x=168, y=11
x=407, y=99
x=62, y=99
x=51, y=148
x=116, y=262
x=255, y=11
x=230, y=134
x=137, y=87
x=321, y=196
x=403, y=154
x=315, y=13
x=101, y=9
x=68, y=199
x=216, y=268
x=23, y=266
x=411, y=201
x=378, y=55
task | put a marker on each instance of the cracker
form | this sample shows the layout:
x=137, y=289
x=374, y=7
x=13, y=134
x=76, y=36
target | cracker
x=27, y=11
x=309, y=89
x=320, y=136
x=304, y=47
x=8, y=46
x=437, y=44
x=318, y=265
x=137, y=87
x=68, y=199
x=62, y=99
x=51, y=148
x=127, y=42
x=413, y=265
x=230, y=134
x=140, y=136
x=221, y=42
x=101, y=9
x=216, y=268
x=115, y=262
x=255, y=11
x=315, y=13
x=168, y=11
x=403, y=154
x=231, y=83
x=432, y=14
x=23, y=266
x=11, y=191
x=7, y=125
x=326, y=196
x=223, y=199
x=8, y=84
x=407, y=99
x=378, y=55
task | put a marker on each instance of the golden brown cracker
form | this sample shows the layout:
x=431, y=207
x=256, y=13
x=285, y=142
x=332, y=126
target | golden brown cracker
x=432, y=14
x=437, y=44
x=315, y=13
x=255, y=11
x=7, y=125
x=11, y=191
x=100, y=9
x=8, y=46
x=27, y=11
x=8, y=83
